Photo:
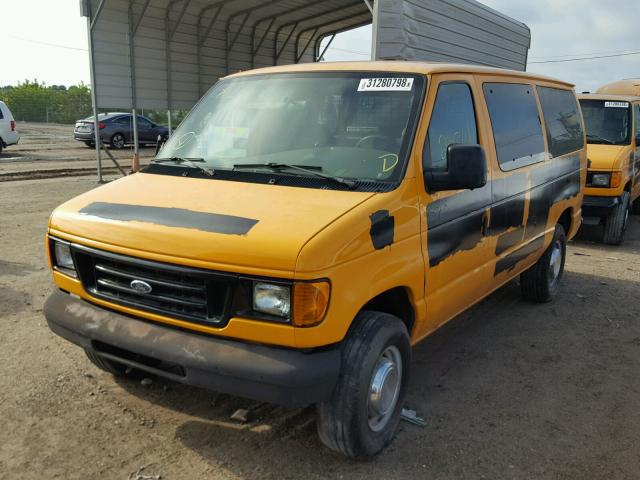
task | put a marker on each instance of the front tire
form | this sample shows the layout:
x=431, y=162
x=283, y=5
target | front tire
x=615, y=225
x=90, y=144
x=635, y=206
x=540, y=282
x=362, y=415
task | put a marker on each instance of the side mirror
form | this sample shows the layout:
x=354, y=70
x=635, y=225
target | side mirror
x=160, y=141
x=466, y=169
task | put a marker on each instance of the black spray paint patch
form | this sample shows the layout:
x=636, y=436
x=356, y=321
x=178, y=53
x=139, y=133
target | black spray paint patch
x=510, y=261
x=382, y=227
x=171, y=217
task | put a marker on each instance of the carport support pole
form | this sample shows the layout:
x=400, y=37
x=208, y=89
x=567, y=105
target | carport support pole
x=135, y=161
x=169, y=122
x=94, y=96
x=374, y=28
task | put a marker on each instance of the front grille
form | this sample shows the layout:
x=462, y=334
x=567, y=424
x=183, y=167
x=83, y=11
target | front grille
x=178, y=292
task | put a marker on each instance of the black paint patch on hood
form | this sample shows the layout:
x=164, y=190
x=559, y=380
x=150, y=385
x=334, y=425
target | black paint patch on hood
x=382, y=228
x=171, y=217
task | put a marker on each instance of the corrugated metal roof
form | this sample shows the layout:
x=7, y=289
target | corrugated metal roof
x=164, y=54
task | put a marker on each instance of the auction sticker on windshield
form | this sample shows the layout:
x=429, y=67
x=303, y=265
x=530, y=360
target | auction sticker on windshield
x=616, y=104
x=402, y=84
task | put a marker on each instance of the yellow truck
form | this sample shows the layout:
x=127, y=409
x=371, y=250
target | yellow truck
x=306, y=225
x=612, y=123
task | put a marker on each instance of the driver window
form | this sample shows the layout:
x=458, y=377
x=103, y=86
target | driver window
x=452, y=121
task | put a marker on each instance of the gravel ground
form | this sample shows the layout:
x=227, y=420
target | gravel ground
x=46, y=150
x=509, y=390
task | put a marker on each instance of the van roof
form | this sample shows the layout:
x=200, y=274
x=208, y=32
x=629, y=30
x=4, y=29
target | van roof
x=425, y=68
x=611, y=97
x=628, y=86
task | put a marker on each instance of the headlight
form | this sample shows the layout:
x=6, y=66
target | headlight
x=272, y=299
x=600, y=179
x=62, y=258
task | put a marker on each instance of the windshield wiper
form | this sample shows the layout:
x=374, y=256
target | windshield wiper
x=309, y=169
x=190, y=162
x=591, y=136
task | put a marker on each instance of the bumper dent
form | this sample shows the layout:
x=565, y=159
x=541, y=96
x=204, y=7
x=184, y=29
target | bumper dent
x=285, y=377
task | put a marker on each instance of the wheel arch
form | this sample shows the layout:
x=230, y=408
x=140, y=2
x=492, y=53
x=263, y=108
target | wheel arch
x=394, y=301
x=566, y=220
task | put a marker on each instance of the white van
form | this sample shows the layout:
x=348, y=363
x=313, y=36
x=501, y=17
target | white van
x=8, y=133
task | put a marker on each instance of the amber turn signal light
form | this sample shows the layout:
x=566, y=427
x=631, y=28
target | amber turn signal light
x=615, y=179
x=310, y=302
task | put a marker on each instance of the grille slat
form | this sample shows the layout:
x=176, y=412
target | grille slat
x=161, y=298
x=177, y=292
x=133, y=276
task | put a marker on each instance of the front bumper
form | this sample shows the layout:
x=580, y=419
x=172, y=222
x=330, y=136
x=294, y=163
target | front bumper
x=598, y=207
x=283, y=376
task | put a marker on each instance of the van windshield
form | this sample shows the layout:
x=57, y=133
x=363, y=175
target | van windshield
x=607, y=122
x=355, y=126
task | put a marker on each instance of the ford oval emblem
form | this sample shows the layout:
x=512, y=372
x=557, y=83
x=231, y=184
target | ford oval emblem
x=140, y=286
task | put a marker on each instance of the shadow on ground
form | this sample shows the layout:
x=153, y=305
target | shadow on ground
x=508, y=389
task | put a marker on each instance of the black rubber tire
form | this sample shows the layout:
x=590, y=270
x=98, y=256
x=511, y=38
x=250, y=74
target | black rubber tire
x=342, y=421
x=90, y=144
x=635, y=206
x=615, y=225
x=1, y=146
x=115, y=143
x=535, y=284
x=109, y=366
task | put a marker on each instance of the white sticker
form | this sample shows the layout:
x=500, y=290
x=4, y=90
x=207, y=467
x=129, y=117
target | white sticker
x=402, y=84
x=617, y=104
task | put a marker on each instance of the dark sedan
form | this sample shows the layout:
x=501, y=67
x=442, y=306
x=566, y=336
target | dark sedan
x=116, y=130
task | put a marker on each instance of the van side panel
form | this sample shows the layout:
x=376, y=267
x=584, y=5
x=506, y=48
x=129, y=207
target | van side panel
x=522, y=205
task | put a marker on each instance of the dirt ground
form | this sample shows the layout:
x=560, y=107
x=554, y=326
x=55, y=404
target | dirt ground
x=49, y=149
x=509, y=390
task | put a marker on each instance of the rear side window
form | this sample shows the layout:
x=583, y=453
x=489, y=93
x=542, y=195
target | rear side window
x=636, y=110
x=562, y=120
x=453, y=121
x=1, y=113
x=515, y=123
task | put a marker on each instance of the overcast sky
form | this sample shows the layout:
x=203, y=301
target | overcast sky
x=46, y=40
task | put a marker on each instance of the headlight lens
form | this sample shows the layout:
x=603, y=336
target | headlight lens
x=63, y=260
x=272, y=299
x=600, y=179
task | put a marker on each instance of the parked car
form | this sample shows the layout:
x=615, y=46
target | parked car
x=613, y=181
x=8, y=133
x=116, y=130
x=307, y=224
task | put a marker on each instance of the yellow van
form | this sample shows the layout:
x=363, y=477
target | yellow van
x=307, y=224
x=612, y=123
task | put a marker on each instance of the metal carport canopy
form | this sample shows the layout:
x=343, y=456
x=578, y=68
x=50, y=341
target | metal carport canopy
x=164, y=54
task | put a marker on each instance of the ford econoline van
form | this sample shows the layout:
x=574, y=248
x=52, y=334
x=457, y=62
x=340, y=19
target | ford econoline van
x=306, y=225
x=612, y=123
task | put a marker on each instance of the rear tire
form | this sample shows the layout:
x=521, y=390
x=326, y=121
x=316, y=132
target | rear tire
x=117, y=141
x=635, y=206
x=362, y=415
x=109, y=366
x=540, y=282
x=615, y=225
x=1, y=146
x=90, y=144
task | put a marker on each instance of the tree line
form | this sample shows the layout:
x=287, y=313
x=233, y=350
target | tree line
x=33, y=101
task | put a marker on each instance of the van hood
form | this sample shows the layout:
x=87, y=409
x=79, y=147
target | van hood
x=606, y=157
x=221, y=223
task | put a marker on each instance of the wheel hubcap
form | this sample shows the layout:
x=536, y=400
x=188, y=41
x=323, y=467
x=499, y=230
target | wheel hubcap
x=555, y=262
x=384, y=388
